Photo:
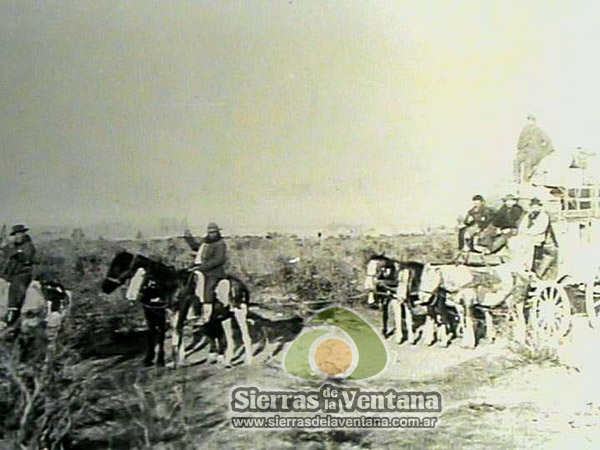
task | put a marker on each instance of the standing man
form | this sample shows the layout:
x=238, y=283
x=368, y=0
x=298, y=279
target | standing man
x=478, y=219
x=209, y=265
x=18, y=270
x=533, y=146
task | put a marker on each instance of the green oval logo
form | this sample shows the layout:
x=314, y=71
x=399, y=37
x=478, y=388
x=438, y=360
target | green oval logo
x=346, y=347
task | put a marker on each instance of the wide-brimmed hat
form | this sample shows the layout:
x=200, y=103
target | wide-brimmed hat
x=18, y=229
x=477, y=197
x=213, y=227
x=509, y=197
x=535, y=201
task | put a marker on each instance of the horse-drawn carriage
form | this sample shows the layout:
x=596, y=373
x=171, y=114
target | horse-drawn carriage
x=546, y=298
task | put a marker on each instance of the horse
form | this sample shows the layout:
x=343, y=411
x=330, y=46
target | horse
x=159, y=287
x=232, y=301
x=407, y=304
x=392, y=283
x=44, y=294
x=468, y=287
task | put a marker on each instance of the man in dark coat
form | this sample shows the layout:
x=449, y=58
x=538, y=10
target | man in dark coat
x=210, y=261
x=478, y=219
x=505, y=225
x=509, y=216
x=19, y=270
x=533, y=146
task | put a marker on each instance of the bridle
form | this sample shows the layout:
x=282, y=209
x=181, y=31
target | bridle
x=120, y=280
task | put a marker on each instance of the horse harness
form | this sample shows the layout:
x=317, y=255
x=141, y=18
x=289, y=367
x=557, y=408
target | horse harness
x=126, y=273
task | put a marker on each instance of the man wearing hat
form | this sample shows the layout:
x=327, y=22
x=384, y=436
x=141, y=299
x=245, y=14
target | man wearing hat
x=18, y=270
x=533, y=146
x=538, y=239
x=504, y=226
x=478, y=219
x=209, y=265
x=509, y=215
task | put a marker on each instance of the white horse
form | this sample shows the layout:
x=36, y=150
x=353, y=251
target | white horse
x=470, y=287
x=407, y=304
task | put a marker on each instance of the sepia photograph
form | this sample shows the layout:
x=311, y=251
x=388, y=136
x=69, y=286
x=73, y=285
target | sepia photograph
x=299, y=224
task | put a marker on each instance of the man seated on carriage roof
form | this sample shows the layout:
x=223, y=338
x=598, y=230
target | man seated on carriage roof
x=504, y=225
x=508, y=217
x=478, y=219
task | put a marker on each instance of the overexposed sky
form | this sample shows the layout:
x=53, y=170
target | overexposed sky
x=291, y=114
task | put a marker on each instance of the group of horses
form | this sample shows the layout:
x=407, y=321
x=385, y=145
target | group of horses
x=162, y=289
x=447, y=297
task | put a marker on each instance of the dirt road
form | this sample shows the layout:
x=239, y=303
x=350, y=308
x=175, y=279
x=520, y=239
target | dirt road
x=493, y=396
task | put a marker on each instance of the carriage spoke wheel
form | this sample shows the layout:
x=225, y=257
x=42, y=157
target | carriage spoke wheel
x=592, y=304
x=550, y=314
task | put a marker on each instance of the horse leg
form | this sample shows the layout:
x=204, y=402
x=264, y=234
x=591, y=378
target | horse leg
x=445, y=328
x=397, y=308
x=467, y=300
x=180, y=322
x=520, y=330
x=442, y=331
x=241, y=316
x=150, y=335
x=227, y=327
x=371, y=298
x=175, y=337
x=384, y=317
x=489, y=325
x=428, y=334
x=409, y=324
x=161, y=322
x=469, y=333
x=460, y=312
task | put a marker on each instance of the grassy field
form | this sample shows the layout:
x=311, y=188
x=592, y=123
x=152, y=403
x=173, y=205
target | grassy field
x=89, y=391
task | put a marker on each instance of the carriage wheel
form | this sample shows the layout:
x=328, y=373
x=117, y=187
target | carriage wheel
x=550, y=313
x=592, y=305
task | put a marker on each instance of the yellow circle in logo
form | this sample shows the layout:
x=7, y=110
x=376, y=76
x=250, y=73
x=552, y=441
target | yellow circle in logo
x=333, y=356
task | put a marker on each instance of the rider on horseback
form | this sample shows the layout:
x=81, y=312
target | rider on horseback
x=19, y=269
x=209, y=267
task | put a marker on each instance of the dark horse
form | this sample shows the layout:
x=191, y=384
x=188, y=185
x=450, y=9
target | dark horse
x=159, y=287
x=396, y=283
